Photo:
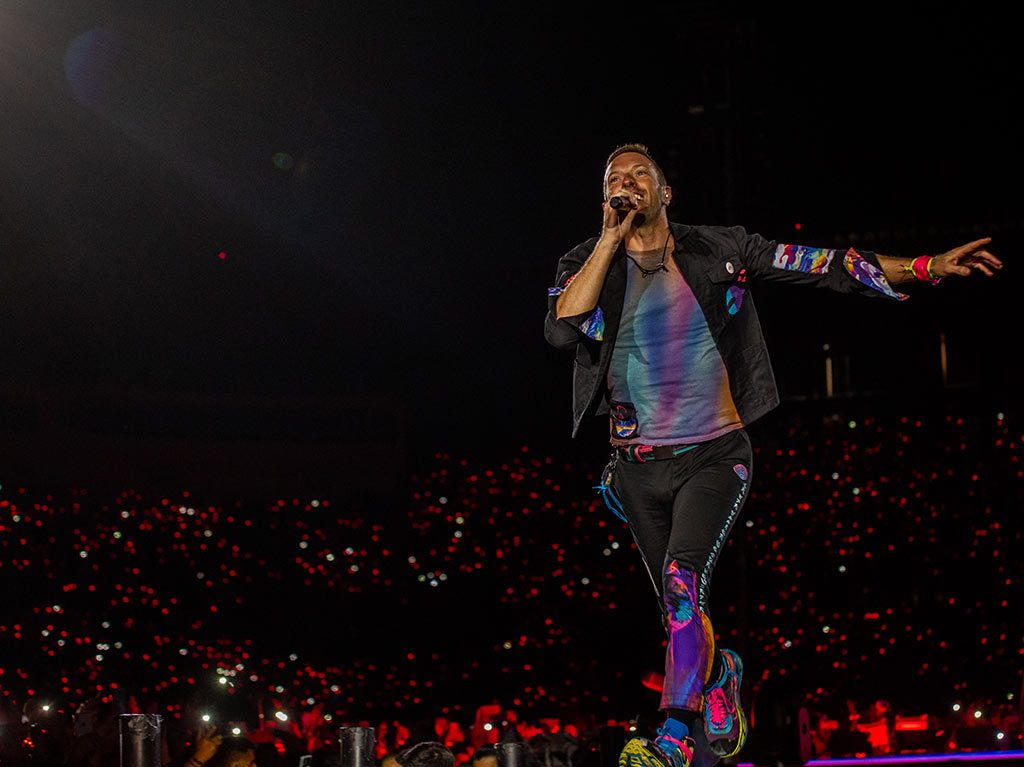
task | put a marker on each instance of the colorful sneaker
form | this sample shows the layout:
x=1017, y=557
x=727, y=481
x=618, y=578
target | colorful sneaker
x=672, y=748
x=724, y=723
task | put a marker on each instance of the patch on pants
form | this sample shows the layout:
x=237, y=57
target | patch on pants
x=741, y=471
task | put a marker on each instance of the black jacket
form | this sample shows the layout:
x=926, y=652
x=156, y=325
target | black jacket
x=717, y=263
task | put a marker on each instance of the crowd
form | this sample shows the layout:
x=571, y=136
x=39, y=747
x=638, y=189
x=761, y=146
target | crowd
x=878, y=557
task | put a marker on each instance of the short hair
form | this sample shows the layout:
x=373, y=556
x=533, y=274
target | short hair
x=483, y=751
x=639, y=149
x=429, y=753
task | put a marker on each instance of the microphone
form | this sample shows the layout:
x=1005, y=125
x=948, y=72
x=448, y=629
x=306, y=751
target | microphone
x=620, y=202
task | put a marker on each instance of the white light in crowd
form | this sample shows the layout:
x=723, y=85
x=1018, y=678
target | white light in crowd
x=1000, y=735
x=117, y=534
x=125, y=515
x=856, y=491
x=310, y=701
x=458, y=533
x=293, y=657
x=335, y=688
x=328, y=717
x=208, y=533
x=507, y=645
x=206, y=717
x=444, y=576
x=1009, y=696
x=842, y=568
x=412, y=560
x=329, y=557
x=56, y=608
x=83, y=554
x=825, y=629
x=443, y=500
x=236, y=730
x=750, y=523
x=105, y=624
x=303, y=544
x=200, y=575
x=279, y=688
x=787, y=643
x=852, y=424
x=350, y=551
x=433, y=583
x=354, y=569
x=281, y=716
x=607, y=552
x=835, y=475
x=315, y=504
x=183, y=651
x=632, y=728
x=615, y=544
x=222, y=679
x=1000, y=416
x=956, y=706
x=977, y=715
x=46, y=707
x=99, y=657
x=460, y=520
x=488, y=726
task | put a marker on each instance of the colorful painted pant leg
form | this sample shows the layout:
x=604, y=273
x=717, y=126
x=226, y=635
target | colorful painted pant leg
x=691, y=640
x=680, y=512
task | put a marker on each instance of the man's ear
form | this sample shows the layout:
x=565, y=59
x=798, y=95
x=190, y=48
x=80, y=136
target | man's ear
x=666, y=195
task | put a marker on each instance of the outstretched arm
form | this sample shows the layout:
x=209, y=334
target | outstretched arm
x=958, y=262
x=856, y=270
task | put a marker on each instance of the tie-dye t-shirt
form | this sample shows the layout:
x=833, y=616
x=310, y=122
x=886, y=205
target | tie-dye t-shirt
x=667, y=380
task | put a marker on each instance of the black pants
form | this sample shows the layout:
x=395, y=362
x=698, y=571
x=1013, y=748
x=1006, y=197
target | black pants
x=680, y=511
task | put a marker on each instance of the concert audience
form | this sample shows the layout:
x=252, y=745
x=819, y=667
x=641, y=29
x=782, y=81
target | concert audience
x=876, y=554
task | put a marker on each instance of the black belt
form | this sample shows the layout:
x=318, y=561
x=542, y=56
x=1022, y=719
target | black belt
x=645, y=453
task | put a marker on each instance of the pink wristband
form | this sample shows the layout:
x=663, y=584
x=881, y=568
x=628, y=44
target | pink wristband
x=922, y=270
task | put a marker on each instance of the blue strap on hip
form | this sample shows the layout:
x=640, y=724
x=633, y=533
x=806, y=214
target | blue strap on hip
x=608, y=494
x=611, y=500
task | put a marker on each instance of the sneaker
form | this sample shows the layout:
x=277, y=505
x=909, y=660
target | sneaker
x=724, y=723
x=672, y=748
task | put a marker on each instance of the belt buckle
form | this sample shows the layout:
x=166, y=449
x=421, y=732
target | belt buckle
x=662, y=452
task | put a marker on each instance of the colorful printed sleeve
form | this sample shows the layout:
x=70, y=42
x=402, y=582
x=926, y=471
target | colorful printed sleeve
x=846, y=271
x=567, y=332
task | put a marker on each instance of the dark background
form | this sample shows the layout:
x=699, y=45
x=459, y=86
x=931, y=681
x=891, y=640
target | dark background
x=437, y=161
x=391, y=187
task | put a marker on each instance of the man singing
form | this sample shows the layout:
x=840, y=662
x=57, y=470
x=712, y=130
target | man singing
x=667, y=342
